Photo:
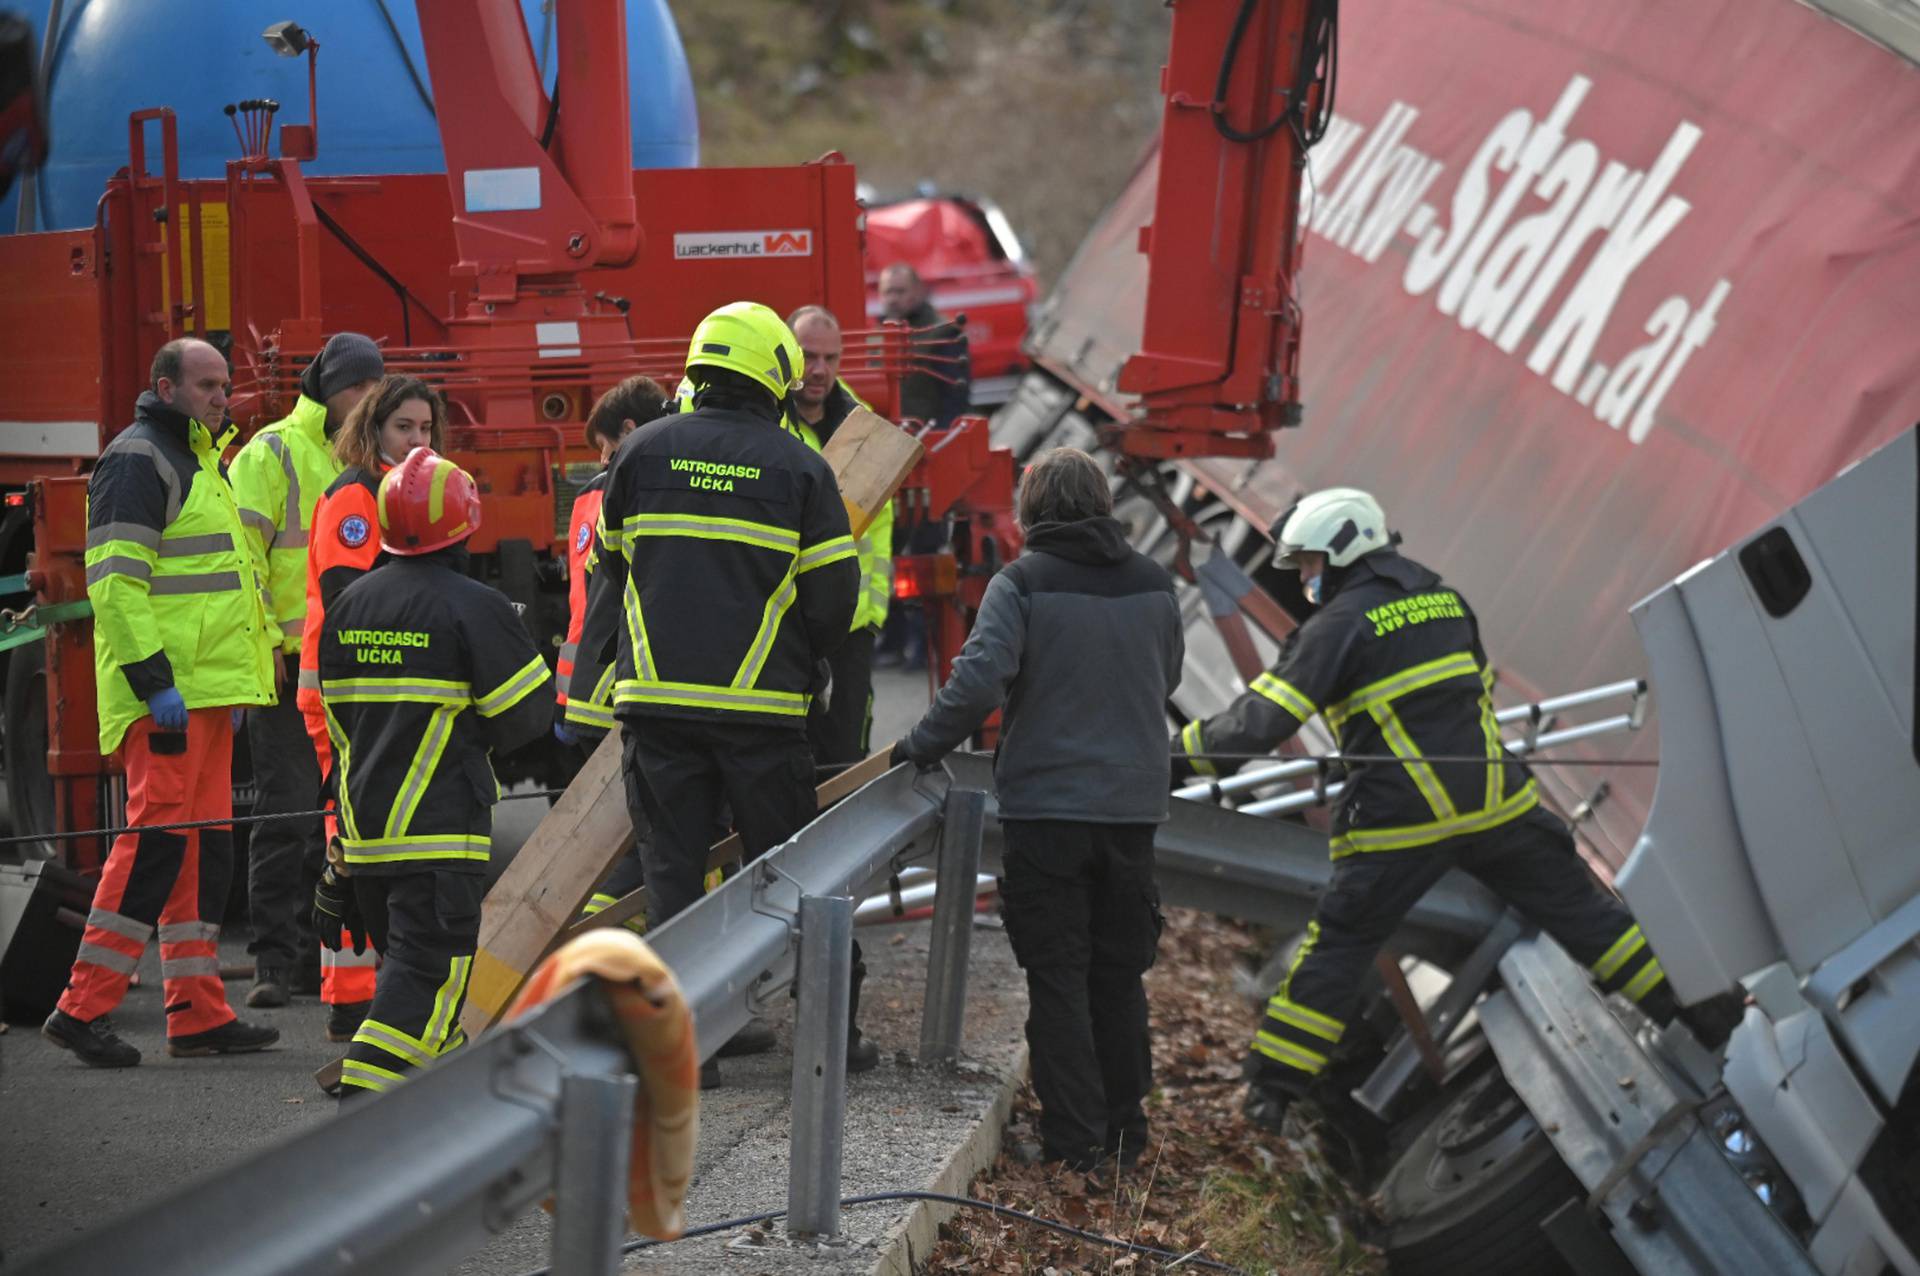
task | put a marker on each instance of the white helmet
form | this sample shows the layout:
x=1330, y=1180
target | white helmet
x=1343, y=523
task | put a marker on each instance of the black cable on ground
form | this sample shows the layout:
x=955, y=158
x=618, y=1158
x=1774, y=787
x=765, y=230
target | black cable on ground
x=1166, y=1256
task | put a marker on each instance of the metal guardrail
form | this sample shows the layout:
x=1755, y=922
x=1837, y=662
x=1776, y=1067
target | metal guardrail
x=486, y=1139
x=1268, y=871
x=496, y=1127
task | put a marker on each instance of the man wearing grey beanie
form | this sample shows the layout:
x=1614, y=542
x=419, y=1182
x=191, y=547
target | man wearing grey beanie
x=278, y=478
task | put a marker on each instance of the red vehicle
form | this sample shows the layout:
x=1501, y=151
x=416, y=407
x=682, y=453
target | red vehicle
x=973, y=263
x=540, y=269
x=521, y=283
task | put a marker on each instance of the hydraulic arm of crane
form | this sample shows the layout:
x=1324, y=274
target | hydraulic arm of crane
x=1249, y=86
x=542, y=186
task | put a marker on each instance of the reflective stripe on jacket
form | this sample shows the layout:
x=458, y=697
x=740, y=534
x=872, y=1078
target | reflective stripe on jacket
x=278, y=478
x=1393, y=664
x=174, y=585
x=726, y=570
x=424, y=672
x=874, y=547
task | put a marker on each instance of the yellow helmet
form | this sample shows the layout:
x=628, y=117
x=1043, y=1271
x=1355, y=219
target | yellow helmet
x=683, y=396
x=752, y=340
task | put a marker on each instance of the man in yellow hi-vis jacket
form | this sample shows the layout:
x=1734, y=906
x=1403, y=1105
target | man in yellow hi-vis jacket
x=179, y=644
x=840, y=730
x=278, y=479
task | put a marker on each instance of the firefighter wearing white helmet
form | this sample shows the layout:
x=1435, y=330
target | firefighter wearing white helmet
x=727, y=574
x=1391, y=660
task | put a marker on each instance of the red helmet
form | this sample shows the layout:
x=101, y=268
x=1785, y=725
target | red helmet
x=427, y=503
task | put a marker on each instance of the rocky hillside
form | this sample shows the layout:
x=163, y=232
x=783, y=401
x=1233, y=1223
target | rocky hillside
x=1042, y=106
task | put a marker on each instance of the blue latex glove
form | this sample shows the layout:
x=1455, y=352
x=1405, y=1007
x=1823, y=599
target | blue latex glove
x=564, y=734
x=168, y=709
x=238, y=716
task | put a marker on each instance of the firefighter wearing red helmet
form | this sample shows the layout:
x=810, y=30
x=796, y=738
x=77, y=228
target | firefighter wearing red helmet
x=424, y=673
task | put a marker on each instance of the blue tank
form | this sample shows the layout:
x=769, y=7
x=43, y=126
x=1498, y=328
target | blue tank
x=113, y=57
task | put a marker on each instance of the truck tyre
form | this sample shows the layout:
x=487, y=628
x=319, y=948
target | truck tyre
x=1471, y=1190
x=29, y=787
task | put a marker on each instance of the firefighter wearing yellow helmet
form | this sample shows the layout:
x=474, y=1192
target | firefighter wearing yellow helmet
x=725, y=545
x=1391, y=660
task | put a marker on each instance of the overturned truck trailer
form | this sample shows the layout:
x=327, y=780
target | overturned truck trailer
x=1589, y=292
x=1592, y=294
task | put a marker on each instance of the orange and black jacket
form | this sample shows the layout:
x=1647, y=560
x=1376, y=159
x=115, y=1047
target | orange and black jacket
x=424, y=673
x=594, y=708
x=1393, y=664
x=344, y=546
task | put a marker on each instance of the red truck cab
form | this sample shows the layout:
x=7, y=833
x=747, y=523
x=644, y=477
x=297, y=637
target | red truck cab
x=974, y=265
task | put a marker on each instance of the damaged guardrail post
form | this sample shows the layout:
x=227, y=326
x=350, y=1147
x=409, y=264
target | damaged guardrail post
x=943, y=1021
x=820, y=1024
x=590, y=1183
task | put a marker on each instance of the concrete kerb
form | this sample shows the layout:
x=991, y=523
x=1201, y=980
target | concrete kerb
x=914, y=1237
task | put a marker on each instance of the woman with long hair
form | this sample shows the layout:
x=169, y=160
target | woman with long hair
x=399, y=415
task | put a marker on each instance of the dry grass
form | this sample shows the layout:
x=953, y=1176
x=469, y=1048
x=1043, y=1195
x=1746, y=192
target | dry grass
x=1043, y=107
x=1208, y=1183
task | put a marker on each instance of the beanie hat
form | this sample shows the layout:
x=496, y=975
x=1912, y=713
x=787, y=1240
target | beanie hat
x=346, y=360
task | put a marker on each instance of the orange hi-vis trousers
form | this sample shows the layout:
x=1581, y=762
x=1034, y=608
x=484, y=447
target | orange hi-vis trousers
x=346, y=977
x=175, y=880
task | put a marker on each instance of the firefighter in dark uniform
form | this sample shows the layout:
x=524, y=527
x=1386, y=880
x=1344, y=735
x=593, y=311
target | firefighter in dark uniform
x=424, y=672
x=1392, y=661
x=727, y=548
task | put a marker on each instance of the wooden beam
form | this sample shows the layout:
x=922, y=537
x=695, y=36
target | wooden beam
x=548, y=883
x=871, y=457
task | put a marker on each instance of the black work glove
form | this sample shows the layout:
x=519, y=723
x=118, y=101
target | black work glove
x=336, y=913
x=898, y=754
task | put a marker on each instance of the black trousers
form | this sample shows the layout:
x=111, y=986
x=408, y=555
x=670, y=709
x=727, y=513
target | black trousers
x=284, y=857
x=1083, y=915
x=840, y=732
x=683, y=773
x=426, y=927
x=1531, y=863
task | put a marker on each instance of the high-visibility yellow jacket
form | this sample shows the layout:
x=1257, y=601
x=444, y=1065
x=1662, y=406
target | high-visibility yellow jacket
x=278, y=477
x=174, y=585
x=873, y=546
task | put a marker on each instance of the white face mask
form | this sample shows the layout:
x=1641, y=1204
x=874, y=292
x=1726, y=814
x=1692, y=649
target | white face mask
x=1312, y=588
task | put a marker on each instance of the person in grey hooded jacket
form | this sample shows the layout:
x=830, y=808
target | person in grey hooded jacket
x=1080, y=640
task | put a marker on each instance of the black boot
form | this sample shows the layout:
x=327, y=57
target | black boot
x=91, y=1039
x=1269, y=1093
x=862, y=1055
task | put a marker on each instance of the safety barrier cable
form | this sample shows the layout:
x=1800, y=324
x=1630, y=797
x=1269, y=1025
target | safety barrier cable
x=184, y=825
x=1395, y=758
x=1166, y=1256
x=1330, y=759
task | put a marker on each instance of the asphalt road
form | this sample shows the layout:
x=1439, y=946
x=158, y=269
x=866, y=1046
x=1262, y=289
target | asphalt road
x=80, y=1145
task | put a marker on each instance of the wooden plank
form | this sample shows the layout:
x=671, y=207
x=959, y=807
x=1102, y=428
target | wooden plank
x=549, y=881
x=871, y=456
